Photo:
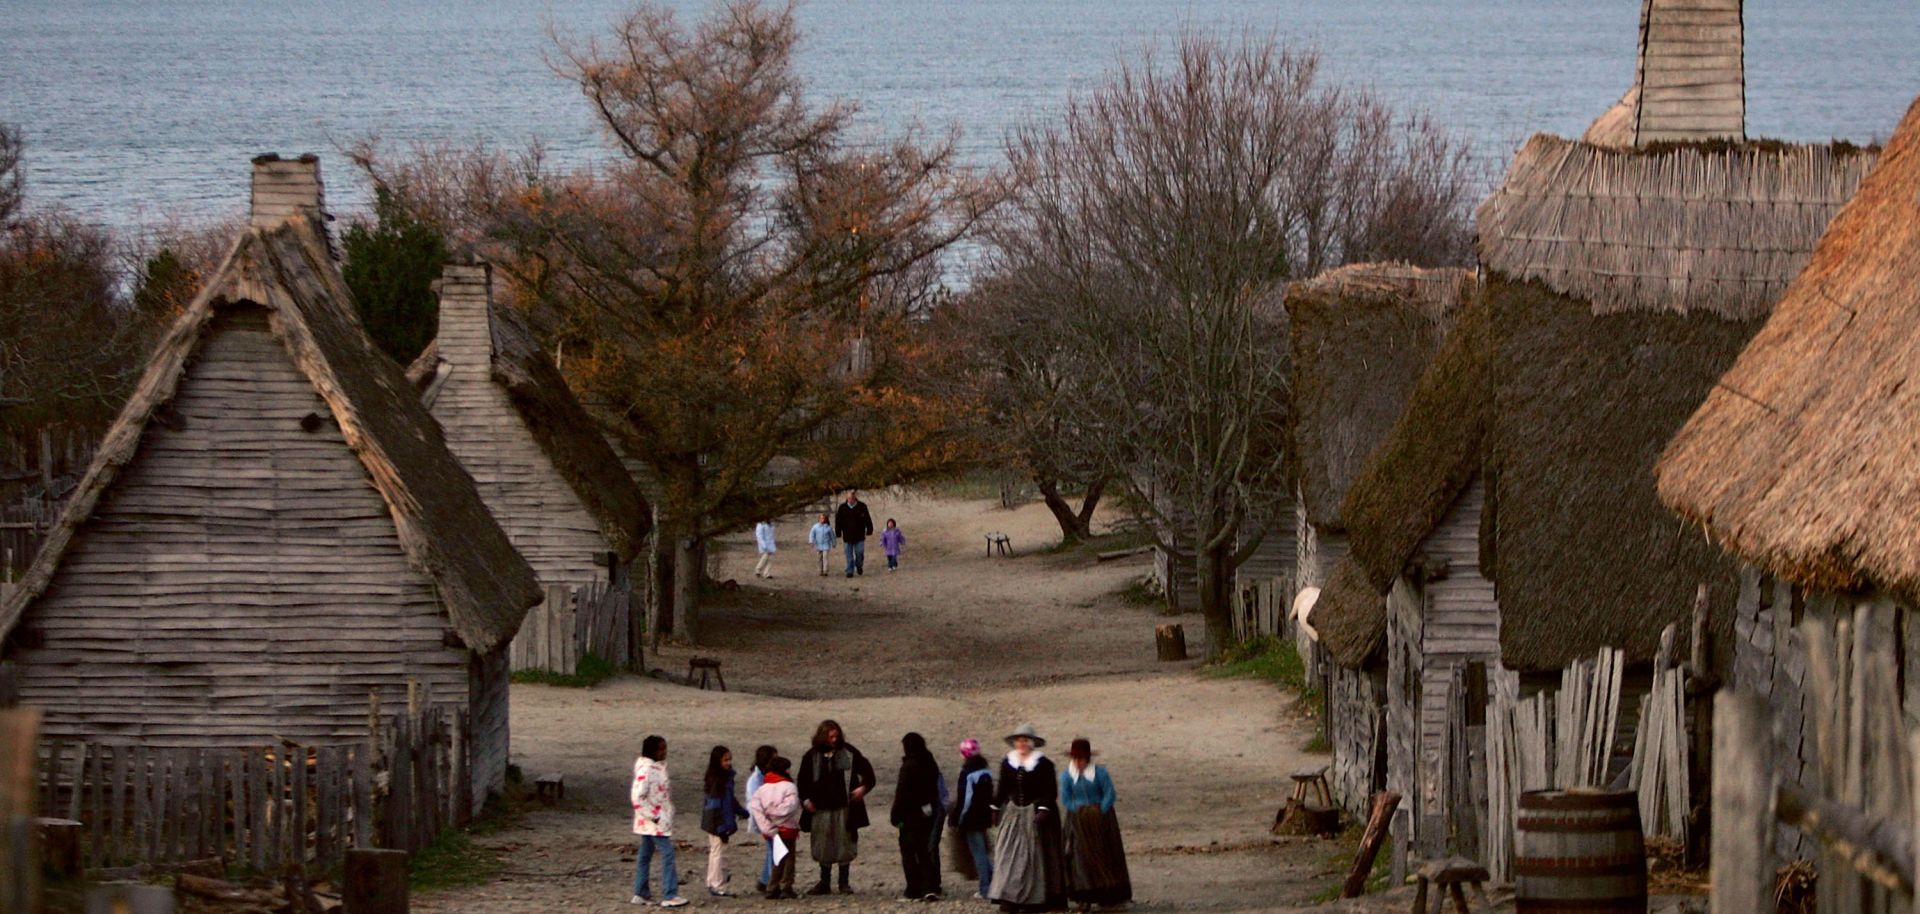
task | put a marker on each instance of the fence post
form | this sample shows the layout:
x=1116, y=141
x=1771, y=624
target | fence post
x=376, y=881
x=19, y=861
x=1743, y=797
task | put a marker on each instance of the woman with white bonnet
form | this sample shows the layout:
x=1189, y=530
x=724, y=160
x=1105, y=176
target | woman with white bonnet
x=1028, y=871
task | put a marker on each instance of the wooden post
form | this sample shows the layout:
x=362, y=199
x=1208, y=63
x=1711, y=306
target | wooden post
x=60, y=846
x=1384, y=803
x=19, y=869
x=376, y=882
x=1743, y=797
x=1170, y=641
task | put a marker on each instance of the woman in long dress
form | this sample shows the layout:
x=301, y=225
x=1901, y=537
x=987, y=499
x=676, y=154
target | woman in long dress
x=834, y=779
x=1096, y=859
x=1027, y=867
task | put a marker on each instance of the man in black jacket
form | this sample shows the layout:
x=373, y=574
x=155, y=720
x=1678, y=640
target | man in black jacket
x=854, y=524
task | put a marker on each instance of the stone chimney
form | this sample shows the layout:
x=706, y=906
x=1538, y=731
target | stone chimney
x=282, y=187
x=466, y=329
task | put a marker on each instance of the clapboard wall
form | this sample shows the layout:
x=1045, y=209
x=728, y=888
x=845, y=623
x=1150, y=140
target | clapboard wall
x=541, y=513
x=1445, y=618
x=242, y=579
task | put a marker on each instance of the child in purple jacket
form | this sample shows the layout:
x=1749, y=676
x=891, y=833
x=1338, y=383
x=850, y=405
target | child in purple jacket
x=891, y=539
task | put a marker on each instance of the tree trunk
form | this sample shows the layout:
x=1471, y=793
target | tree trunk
x=1215, y=570
x=1072, y=528
x=686, y=586
x=660, y=591
x=1089, y=502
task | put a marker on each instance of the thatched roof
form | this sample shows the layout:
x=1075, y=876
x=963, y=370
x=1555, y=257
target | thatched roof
x=561, y=427
x=1802, y=460
x=445, y=530
x=1717, y=228
x=1428, y=457
x=1580, y=549
x=1361, y=336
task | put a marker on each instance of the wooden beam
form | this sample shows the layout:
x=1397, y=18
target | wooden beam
x=1743, y=798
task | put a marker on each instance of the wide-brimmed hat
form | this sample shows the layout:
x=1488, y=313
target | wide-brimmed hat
x=1027, y=731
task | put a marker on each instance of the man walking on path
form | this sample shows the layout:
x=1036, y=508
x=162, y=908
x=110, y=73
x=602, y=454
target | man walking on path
x=854, y=524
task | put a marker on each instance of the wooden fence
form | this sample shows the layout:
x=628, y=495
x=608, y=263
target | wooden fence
x=262, y=807
x=1860, y=803
x=23, y=527
x=572, y=622
x=19, y=861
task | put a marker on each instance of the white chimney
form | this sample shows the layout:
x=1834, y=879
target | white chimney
x=282, y=187
x=466, y=332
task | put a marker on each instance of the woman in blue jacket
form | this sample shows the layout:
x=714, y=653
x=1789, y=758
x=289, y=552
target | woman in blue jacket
x=1096, y=859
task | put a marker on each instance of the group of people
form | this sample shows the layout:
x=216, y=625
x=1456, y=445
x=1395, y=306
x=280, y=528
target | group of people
x=850, y=526
x=1036, y=838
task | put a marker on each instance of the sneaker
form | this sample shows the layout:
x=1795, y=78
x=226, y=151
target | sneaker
x=674, y=902
x=820, y=888
x=930, y=896
x=846, y=889
x=720, y=893
x=640, y=899
x=759, y=886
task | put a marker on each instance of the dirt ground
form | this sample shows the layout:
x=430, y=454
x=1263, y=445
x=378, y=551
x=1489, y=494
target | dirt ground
x=955, y=644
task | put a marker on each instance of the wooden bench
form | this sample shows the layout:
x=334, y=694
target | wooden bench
x=998, y=540
x=1303, y=815
x=1447, y=875
x=550, y=788
x=709, y=669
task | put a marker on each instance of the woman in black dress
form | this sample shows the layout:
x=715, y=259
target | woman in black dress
x=1028, y=871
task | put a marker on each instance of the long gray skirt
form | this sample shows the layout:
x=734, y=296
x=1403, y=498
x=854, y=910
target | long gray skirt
x=1021, y=865
x=830, y=840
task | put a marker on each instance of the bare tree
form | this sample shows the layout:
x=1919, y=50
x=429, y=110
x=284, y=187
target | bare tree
x=13, y=179
x=1154, y=227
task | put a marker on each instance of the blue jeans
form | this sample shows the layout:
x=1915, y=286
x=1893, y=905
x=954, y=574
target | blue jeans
x=766, y=864
x=669, y=868
x=982, y=858
x=856, y=558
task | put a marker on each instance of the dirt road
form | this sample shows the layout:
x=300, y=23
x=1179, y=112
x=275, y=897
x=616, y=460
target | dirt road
x=955, y=644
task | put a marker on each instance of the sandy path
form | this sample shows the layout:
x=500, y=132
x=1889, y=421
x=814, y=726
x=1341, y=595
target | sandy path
x=956, y=644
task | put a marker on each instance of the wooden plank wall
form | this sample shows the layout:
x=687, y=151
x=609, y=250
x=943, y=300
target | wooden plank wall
x=241, y=580
x=1356, y=725
x=542, y=515
x=1770, y=663
x=262, y=808
x=1692, y=71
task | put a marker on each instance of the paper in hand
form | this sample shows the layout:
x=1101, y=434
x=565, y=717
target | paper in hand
x=780, y=850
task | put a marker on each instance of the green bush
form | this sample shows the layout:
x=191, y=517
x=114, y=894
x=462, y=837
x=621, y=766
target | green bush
x=390, y=266
x=589, y=672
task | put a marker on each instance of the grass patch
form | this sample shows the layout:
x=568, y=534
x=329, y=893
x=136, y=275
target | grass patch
x=1141, y=592
x=454, y=861
x=1266, y=657
x=1341, y=860
x=589, y=672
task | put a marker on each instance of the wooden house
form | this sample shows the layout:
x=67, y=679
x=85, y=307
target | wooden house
x=541, y=464
x=1360, y=338
x=1616, y=287
x=1800, y=462
x=271, y=530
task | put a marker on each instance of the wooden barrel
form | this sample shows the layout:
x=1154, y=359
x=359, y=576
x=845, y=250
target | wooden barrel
x=1579, y=850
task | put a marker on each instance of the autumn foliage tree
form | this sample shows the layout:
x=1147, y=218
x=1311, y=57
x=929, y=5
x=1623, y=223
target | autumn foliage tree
x=740, y=291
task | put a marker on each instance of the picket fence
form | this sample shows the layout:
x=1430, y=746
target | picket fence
x=573, y=622
x=1862, y=800
x=262, y=807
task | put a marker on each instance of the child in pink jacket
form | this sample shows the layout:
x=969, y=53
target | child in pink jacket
x=775, y=808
